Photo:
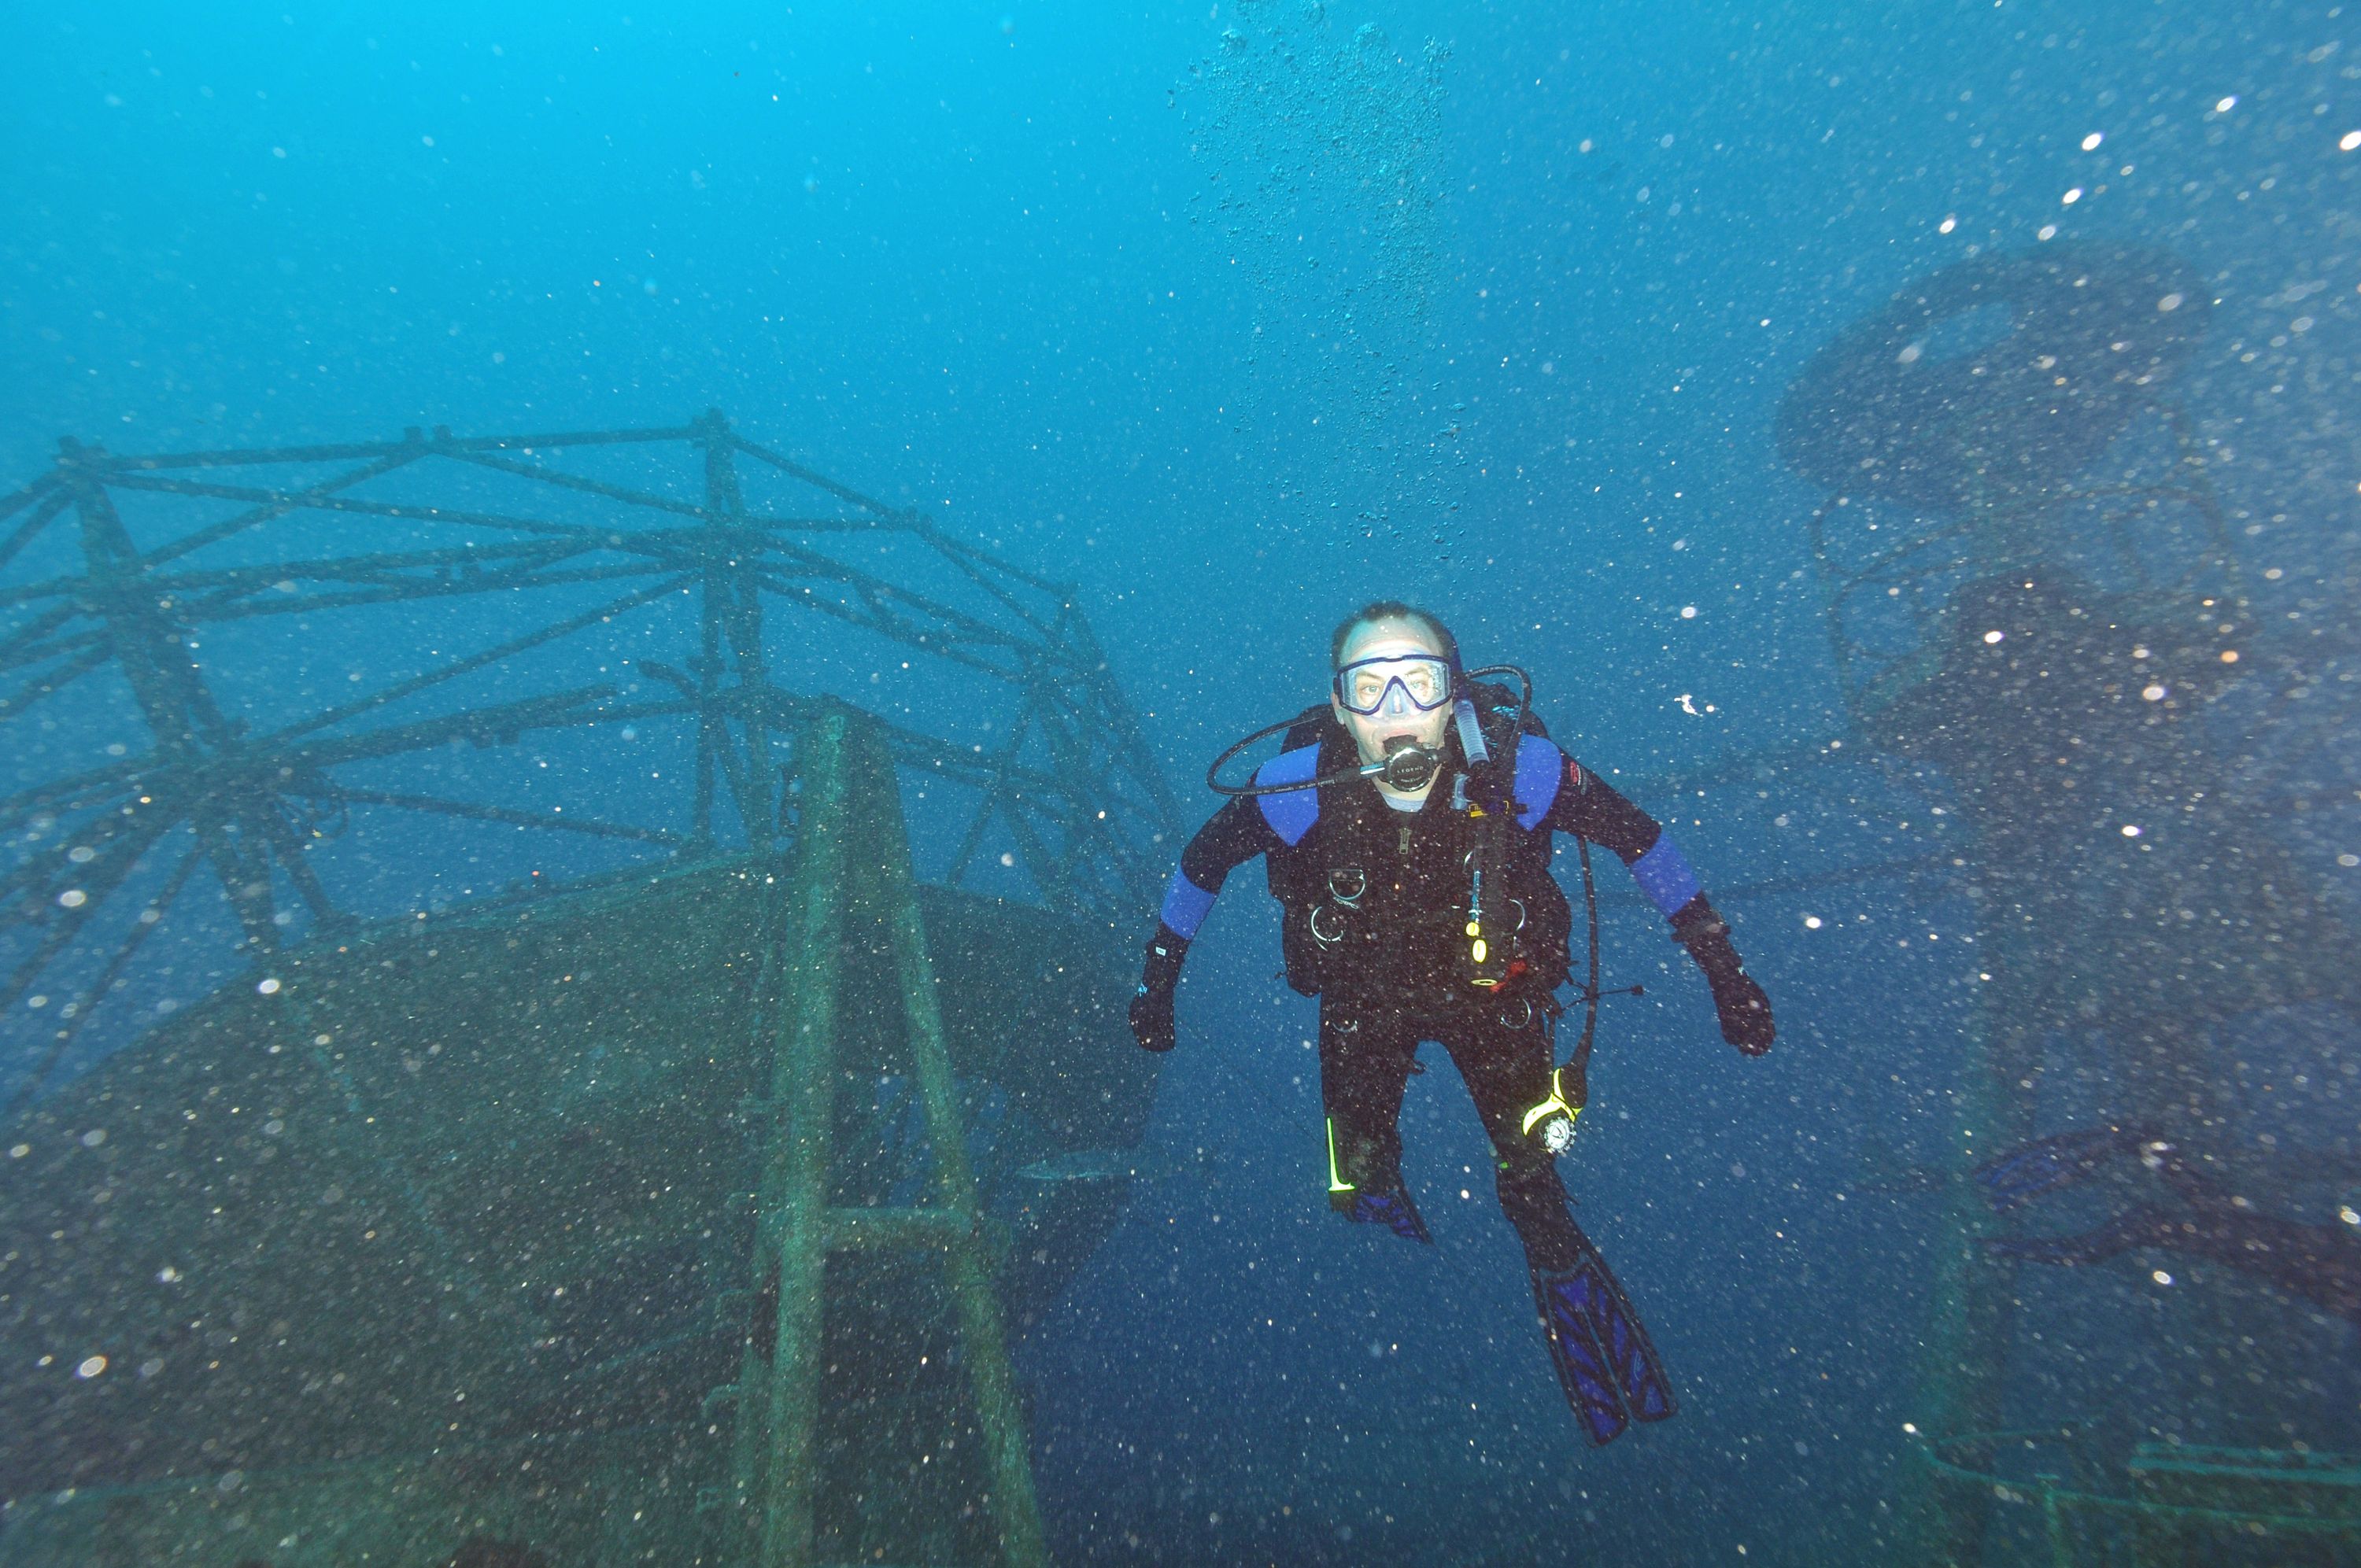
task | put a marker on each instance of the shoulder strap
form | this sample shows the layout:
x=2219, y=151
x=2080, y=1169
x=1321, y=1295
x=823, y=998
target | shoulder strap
x=1292, y=814
x=1540, y=765
x=1540, y=768
x=1498, y=705
x=1305, y=753
x=1310, y=728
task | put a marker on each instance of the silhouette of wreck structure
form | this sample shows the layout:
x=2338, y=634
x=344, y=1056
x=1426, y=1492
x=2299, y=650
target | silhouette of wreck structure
x=659, y=914
x=2034, y=594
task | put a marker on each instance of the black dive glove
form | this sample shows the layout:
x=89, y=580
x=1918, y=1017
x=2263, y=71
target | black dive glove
x=1151, y=1006
x=1745, y=1011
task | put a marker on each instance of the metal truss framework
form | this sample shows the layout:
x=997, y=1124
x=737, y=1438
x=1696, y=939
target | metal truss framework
x=1069, y=778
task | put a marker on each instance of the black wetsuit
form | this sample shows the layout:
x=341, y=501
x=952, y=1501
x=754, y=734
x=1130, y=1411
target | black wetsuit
x=1382, y=911
x=1372, y=1022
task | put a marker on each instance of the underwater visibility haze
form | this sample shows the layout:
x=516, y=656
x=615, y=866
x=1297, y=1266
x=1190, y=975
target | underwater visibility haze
x=615, y=628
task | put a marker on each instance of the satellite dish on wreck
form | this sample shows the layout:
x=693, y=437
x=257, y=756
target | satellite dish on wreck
x=1993, y=380
x=2011, y=412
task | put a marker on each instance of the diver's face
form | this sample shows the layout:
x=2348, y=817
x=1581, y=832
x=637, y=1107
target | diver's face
x=1397, y=720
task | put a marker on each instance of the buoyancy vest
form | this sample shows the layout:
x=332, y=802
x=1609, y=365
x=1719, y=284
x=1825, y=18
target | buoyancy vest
x=1376, y=900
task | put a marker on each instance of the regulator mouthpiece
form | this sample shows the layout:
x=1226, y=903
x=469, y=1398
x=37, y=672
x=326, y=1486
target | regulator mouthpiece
x=1408, y=765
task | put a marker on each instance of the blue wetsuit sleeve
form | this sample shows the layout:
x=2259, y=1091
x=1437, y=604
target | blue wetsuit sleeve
x=1237, y=833
x=1591, y=808
x=1185, y=905
x=1665, y=876
x=1586, y=805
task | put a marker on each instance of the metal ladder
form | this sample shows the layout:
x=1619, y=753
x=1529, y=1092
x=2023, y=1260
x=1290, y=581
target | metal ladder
x=854, y=858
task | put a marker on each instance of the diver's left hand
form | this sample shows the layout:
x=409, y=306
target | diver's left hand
x=1745, y=1011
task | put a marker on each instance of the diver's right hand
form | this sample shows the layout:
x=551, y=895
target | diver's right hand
x=1744, y=1011
x=1151, y=1020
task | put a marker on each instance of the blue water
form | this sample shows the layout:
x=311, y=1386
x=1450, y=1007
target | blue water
x=1236, y=316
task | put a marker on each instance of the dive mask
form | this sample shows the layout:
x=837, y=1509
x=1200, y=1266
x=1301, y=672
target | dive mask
x=1395, y=685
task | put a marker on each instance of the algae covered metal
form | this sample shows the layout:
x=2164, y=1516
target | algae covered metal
x=658, y=1207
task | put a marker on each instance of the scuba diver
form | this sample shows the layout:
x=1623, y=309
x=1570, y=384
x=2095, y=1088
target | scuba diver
x=1406, y=827
x=2319, y=1264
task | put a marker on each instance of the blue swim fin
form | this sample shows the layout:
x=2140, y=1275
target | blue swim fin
x=1604, y=1361
x=1392, y=1210
x=2013, y=1180
x=1380, y=1199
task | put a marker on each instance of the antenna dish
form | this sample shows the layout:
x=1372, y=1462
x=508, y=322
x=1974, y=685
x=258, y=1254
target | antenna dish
x=1995, y=381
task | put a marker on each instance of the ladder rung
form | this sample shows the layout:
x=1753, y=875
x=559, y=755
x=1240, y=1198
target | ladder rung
x=853, y=1229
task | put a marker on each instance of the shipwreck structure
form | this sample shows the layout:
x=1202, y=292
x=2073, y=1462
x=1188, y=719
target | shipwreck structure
x=2034, y=593
x=647, y=906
